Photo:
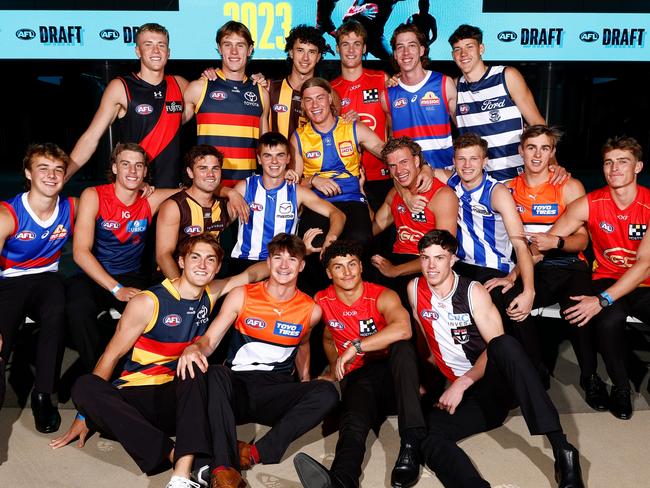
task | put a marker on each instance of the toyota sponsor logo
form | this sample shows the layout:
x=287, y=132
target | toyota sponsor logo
x=250, y=96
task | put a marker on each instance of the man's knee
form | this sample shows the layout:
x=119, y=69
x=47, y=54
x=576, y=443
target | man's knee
x=327, y=394
x=504, y=346
x=86, y=387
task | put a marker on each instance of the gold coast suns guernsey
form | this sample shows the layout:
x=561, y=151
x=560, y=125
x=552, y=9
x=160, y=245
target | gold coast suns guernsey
x=267, y=331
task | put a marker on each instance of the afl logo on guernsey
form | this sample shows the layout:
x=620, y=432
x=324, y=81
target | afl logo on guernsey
x=607, y=227
x=255, y=323
x=520, y=208
x=280, y=108
x=143, y=109
x=429, y=314
x=335, y=324
x=400, y=102
x=26, y=235
x=172, y=320
x=345, y=102
x=256, y=207
x=192, y=230
x=218, y=95
x=110, y=225
x=313, y=154
x=463, y=108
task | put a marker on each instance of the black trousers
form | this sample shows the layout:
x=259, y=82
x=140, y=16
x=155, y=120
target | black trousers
x=358, y=226
x=42, y=297
x=509, y=375
x=85, y=299
x=609, y=327
x=142, y=418
x=369, y=394
x=289, y=407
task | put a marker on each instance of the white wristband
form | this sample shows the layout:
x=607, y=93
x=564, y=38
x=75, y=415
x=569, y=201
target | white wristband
x=116, y=288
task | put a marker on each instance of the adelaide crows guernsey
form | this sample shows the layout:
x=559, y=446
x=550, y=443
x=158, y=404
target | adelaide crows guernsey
x=175, y=324
x=195, y=219
x=120, y=231
x=34, y=245
x=267, y=331
x=285, y=115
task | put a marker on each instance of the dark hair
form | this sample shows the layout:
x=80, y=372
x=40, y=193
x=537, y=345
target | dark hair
x=120, y=147
x=188, y=244
x=320, y=83
x=553, y=133
x=466, y=31
x=287, y=242
x=152, y=27
x=351, y=27
x=469, y=139
x=272, y=139
x=234, y=27
x=394, y=144
x=422, y=39
x=47, y=150
x=341, y=247
x=197, y=152
x=624, y=143
x=438, y=237
x=305, y=34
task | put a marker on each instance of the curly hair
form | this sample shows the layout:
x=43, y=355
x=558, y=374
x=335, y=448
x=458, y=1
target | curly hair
x=341, y=248
x=306, y=34
x=394, y=144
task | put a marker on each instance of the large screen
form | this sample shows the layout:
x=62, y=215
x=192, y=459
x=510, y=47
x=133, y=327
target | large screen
x=516, y=30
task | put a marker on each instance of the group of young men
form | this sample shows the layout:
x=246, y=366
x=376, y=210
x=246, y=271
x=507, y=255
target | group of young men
x=486, y=227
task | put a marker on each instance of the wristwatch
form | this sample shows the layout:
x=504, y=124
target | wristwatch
x=560, y=242
x=605, y=299
x=357, y=345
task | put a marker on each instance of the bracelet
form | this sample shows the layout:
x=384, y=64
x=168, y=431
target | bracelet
x=607, y=297
x=357, y=345
x=311, y=180
x=116, y=288
x=80, y=417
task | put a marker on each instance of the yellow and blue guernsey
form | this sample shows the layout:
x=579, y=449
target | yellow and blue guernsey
x=333, y=154
x=175, y=324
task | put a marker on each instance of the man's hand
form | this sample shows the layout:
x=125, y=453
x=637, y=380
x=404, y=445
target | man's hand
x=327, y=186
x=210, y=74
x=291, y=176
x=393, y=80
x=384, y=266
x=560, y=174
x=146, y=189
x=125, y=293
x=453, y=395
x=351, y=116
x=543, y=240
x=77, y=429
x=506, y=282
x=328, y=375
x=347, y=357
x=415, y=203
x=308, y=239
x=258, y=79
x=582, y=312
x=425, y=179
x=191, y=354
x=521, y=306
x=239, y=206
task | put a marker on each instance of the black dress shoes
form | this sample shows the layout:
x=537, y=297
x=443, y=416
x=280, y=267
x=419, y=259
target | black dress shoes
x=620, y=403
x=313, y=474
x=407, y=467
x=46, y=416
x=595, y=392
x=567, y=468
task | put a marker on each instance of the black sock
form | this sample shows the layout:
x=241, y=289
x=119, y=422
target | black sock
x=558, y=440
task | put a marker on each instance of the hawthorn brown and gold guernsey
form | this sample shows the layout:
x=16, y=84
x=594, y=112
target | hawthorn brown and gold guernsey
x=285, y=115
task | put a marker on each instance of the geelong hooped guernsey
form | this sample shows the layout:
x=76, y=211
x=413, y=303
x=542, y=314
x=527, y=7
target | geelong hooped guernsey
x=153, y=119
x=175, y=324
x=271, y=212
x=616, y=233
x=285, y=115
x=363, y=95
x=268, y=331
x=410, y=226
x=449, y=327
x=356, y=321
x=333, y=154
x=482, y=236
x=228, y=118
x=120, y=231
x=195, y=219
x=421, y=113
x=34, y=245
x=485, y=108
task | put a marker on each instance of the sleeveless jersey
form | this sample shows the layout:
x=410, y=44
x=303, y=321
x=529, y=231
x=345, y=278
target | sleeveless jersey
x=359, y=320
x=285, y=115
x=228, y=118
x=153, y=120
x=176, y=323
x=449, y=327
x=334, y=154
x=363, y=95
x=267, y=331
x=272, y=212
x=195, y=219
x=411, y=227
x=421, y=113
x=120, y=231
x=485, y=108
x=34, y=245
x=482, y=237
x=616, y=233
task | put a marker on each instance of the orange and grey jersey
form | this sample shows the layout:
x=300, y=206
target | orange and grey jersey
x=195, y=219
x=267, y=331
x=285, y=115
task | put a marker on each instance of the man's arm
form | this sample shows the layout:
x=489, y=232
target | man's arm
x=191, y=97
x=383, y=99
x=303, y=356
x=159, y=195
x=256, y=272
x=331, y=353
x=264, y=118
x=384, y=216
x=169, y=219
x=369, y=140
x=444, y=205
x=7, y=225
x=296, y=155
x=522, y=96
x=337, y=218
x=182, y=84
x=452, y=96
x=575, y=216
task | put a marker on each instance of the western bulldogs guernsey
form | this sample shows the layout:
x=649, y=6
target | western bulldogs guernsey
x=285, y=115
x=616, y=233
x=421, y=113
x=228, y=118
x=359, y=320
x=272, y=212
x=363, y=95
x=153, y=120
x=195, y=219
x=482, y=237
x=334, y=154
x=120, y=231
x=267, y=331
x=485, y=108
x=175, y=324
x=449, y=327
x=35, y=245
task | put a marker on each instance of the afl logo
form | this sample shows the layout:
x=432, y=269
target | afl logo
x=507, y=36
x=26, y=235
x=172, y=320
x=218, y=95
x=429, y=314
x=25, y=34
x=192, y=230
x=313, y=154
x=109, y=34
x=589, y=36
x=278, y=107
x=609, y=228
x=520, y=209
x=144, y=109
x=400, y=102
x=345, y=102
x=110, y=225
x=255, y=323
x=256, y=207
x=335, y=324
x=463, y=109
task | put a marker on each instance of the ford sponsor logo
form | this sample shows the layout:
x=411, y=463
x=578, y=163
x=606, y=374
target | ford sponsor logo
x=25, y=34
x=589, y=36
x=507, y=36
x=172, y=320
x=144, y=109
x=109, y=34
x=255, y=323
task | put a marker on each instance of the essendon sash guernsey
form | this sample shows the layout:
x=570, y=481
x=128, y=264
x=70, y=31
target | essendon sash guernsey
x=363, y=95
x=333, y=154
x=120, y=231
x=267, y=332
x=153, y=120
x=196, y=219
x=359, y=320
x=421, y=113
x=285, y=115
x=616, y=233
x=228, y=118
x=411, y=227
x=34, y=245
x=175, y=324
x=449, y=327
